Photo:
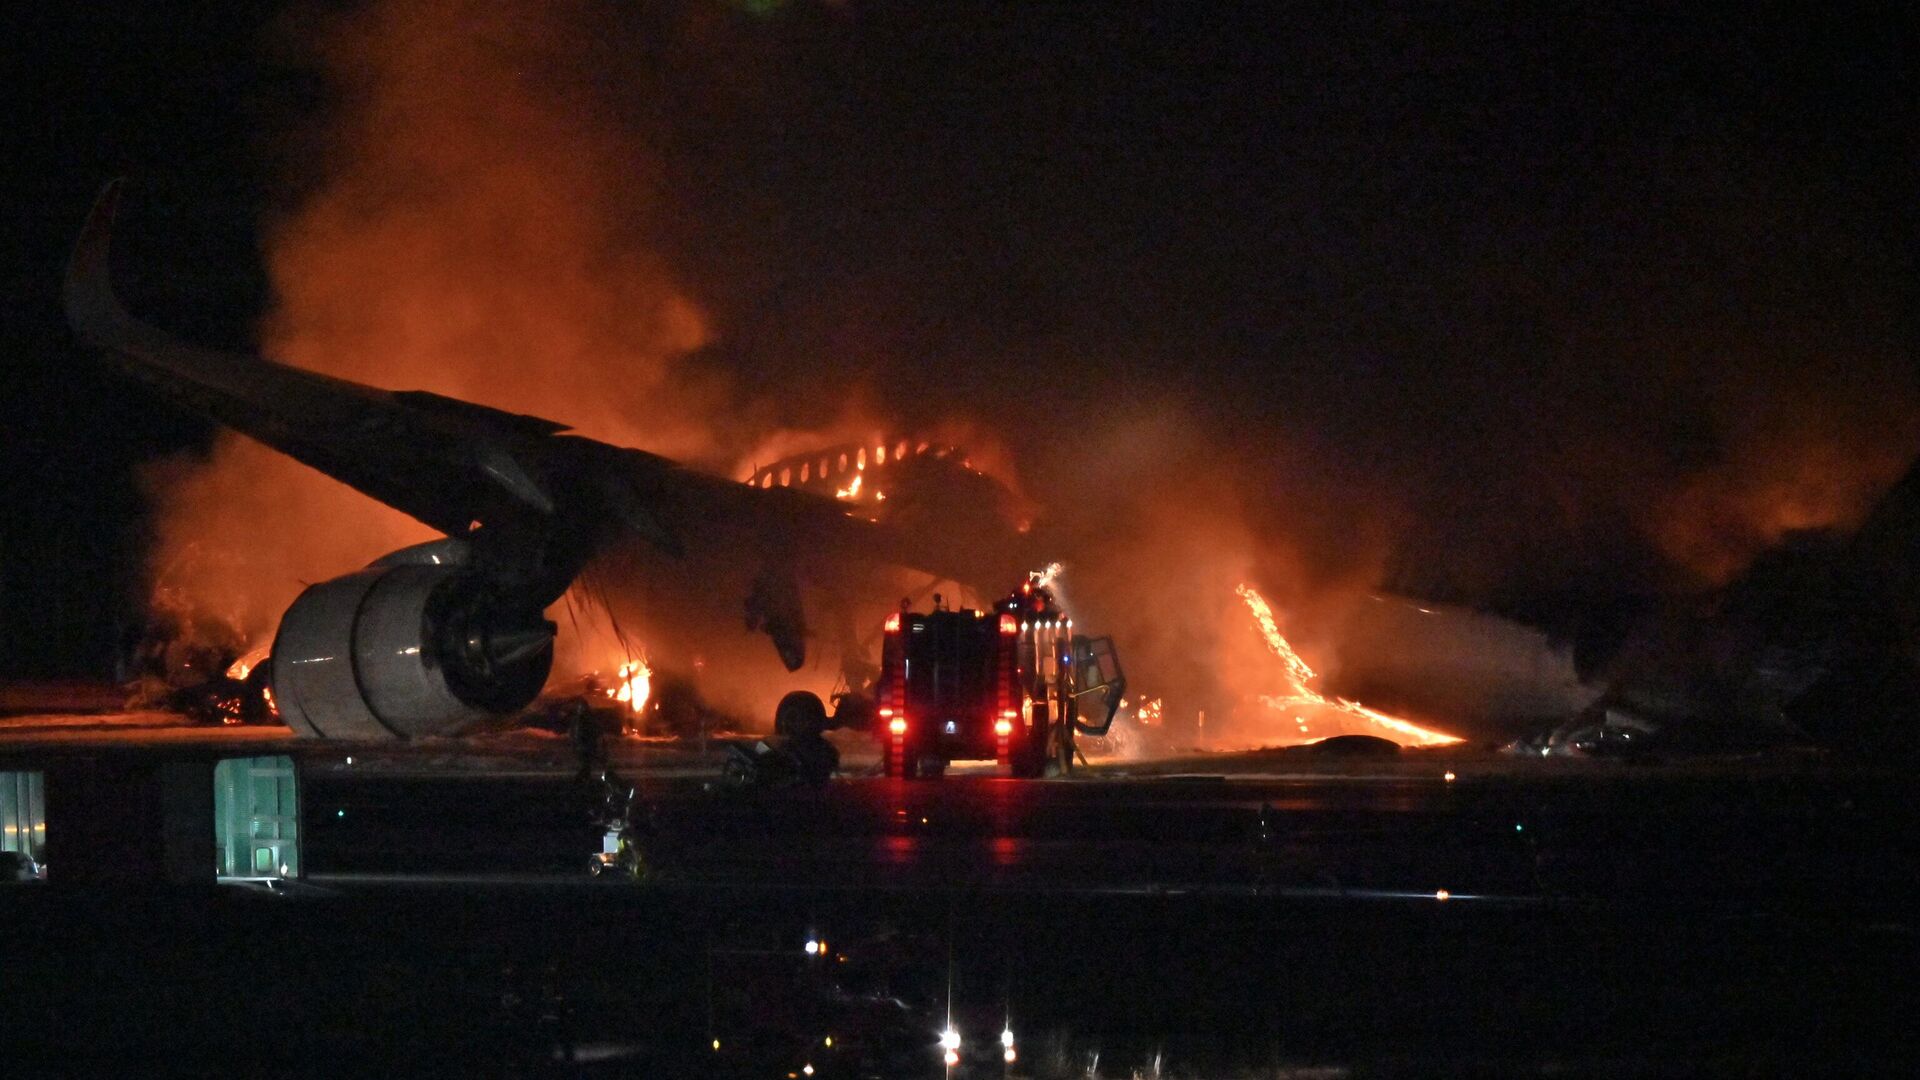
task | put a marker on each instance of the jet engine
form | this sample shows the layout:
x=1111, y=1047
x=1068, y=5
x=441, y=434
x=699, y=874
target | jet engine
x=416, y=644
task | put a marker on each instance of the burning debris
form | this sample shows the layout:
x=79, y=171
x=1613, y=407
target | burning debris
x=633, y=686
x=1310, y=709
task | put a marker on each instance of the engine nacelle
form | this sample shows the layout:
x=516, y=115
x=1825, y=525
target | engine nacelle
x=398, y=651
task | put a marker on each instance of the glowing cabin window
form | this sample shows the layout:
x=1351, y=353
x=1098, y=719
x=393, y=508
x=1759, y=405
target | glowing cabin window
x=823, y=469
x=804, y=469
x=843, y=463
x=766, y=481
x=860, y=459
x=921, y=449
x=879, y=455
x=786, y=475
x=900, y=450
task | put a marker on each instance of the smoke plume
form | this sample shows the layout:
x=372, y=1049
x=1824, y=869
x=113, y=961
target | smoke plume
x=1375, y=351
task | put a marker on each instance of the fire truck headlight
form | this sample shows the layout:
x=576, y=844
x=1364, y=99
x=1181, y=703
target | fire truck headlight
x=1003, y=728
x=897, y=725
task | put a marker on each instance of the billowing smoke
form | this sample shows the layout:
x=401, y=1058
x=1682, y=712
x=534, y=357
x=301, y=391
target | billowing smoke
x=729, y=232
x=474, y=231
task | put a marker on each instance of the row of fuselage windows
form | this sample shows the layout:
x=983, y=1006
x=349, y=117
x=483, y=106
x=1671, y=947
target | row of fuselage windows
x=855, y=461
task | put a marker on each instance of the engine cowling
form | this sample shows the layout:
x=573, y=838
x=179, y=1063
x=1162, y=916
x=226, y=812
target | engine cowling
x=399, y=651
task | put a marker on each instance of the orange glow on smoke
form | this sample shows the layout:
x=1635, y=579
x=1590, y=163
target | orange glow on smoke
x=1301, y=696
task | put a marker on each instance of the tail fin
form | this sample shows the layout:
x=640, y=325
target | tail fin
x=92, y=309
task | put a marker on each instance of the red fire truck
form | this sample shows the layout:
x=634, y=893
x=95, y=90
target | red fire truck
x=1012, y=684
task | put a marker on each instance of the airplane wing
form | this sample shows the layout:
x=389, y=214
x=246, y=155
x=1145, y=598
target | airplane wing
x=532, y=503
x=446, y=462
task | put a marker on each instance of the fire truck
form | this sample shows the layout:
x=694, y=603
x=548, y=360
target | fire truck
x=1013, y=684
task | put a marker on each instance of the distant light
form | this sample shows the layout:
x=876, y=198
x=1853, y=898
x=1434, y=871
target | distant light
x=1442, y=895
x=716, y=1044
x=952, y=1058
x=897, y=725
x=813, y=947
x=1009, y=1055
x=340, y=813
x=349, y=759
x=1006, y=1038
x=1003, y=728
x=829, y=1040
x=1517, y=827
x=1450, y=778
x=807, y=1069
x=950, y=1039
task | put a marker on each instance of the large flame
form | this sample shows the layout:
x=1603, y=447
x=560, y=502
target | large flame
x=1300, y=698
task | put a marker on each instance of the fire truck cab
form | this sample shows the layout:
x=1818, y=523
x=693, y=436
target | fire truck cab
x=1011, y=685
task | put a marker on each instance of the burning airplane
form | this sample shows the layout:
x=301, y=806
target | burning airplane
x=434, y=636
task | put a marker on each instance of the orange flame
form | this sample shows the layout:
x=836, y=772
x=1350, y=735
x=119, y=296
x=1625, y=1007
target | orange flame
x=634, y=685
x=1299, y=674
x=240, y=668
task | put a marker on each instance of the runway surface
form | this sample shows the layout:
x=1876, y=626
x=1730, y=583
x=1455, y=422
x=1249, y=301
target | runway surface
x=1787, y=840
x=1367, y=921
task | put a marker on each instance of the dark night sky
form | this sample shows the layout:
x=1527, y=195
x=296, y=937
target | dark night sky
x=1504, y=273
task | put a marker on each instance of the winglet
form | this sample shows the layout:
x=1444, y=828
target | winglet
x=92, y=310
